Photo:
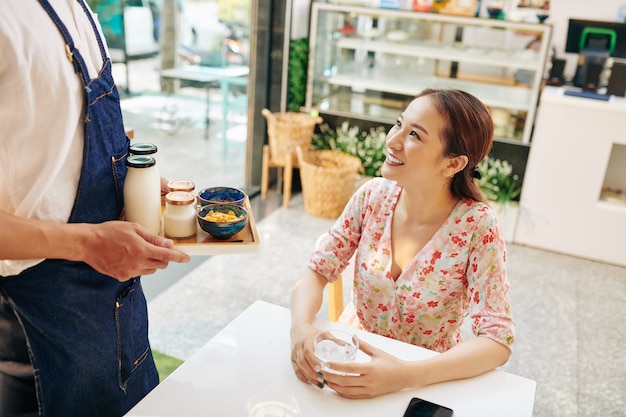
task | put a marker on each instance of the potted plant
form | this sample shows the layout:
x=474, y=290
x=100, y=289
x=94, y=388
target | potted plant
x=367, y=145
x=501, y=188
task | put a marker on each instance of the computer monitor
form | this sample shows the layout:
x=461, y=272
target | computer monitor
x=594, y=41
x=596, y=33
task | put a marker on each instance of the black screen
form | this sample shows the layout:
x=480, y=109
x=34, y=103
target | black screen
x=617, y=81
x=422, y=408
x=575, y=30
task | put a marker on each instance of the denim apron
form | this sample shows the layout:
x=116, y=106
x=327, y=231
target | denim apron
x=86, y=334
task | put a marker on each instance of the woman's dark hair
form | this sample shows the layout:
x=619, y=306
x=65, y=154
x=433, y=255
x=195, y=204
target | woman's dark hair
x=468, y=131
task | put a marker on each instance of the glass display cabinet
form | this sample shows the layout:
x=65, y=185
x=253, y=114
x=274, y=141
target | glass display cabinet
x=367, y=63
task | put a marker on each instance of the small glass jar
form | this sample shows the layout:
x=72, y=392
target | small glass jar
x=179, y=218
x=181, y=185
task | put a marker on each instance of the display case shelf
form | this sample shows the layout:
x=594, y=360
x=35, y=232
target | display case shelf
x=358, y=53
x=511, y=98
x=442, y=51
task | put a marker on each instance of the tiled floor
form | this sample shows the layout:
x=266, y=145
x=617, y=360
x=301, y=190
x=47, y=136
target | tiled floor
x=569, y=311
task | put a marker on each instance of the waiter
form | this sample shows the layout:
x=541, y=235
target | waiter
x=73, y=316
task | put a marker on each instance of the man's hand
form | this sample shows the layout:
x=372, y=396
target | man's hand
x=124, y=250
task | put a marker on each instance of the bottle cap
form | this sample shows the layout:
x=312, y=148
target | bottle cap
x=179, y=198
x=140, y=161
x=181, y=185
x=143, y=149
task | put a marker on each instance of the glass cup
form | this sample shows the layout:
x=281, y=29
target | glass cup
x=335, y=346
x=273, y=403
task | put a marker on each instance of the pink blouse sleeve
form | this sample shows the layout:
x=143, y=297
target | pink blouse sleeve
x=335, y=249
x=488, y=285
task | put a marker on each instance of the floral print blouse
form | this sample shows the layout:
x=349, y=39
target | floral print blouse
x=460, y=272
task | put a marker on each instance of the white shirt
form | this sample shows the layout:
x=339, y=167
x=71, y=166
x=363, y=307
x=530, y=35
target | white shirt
x=41, y=107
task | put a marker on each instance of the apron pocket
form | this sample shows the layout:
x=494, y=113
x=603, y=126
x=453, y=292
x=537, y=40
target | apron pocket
x=118, y=168
x=132, y=332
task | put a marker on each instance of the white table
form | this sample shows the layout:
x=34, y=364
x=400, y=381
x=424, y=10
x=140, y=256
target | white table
x=207, y=77
x=252, y=354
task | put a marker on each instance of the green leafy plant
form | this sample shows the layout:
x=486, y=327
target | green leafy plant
x=367, y=145
x=297, y=73
x=497, y=182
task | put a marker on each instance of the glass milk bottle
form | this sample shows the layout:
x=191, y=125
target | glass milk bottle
x=142, y=192
x=179, y=218
x=146, y=149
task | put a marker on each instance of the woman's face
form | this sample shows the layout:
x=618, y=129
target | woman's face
x=414, y=147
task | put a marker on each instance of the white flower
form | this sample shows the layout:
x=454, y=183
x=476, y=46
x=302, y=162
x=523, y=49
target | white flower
x=498, y=183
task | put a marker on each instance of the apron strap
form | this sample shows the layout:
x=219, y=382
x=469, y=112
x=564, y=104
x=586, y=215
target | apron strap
x=70, y=49
x=103, y=51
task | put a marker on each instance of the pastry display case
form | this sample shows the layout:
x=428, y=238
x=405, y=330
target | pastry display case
x=367, y=63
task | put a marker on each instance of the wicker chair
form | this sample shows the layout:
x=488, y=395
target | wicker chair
x=285, y=131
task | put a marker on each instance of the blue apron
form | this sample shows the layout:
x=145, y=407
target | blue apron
x=86, y=334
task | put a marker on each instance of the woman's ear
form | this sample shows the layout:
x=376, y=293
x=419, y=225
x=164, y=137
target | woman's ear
x=455, y=164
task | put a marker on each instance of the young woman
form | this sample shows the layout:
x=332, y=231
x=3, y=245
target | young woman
x=428, y=253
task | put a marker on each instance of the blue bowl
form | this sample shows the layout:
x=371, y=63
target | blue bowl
x=542, y=17
x=221, y=195
x=222, y=229
x=494, y=12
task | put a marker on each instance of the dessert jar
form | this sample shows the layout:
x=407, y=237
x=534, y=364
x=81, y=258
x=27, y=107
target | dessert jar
x=179, y=217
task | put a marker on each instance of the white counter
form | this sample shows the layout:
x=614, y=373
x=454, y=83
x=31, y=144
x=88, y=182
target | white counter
x=560, y=206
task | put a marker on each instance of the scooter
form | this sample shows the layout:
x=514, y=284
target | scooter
x=233, y=52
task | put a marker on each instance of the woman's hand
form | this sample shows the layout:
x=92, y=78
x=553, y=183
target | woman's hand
x=385, y=373
x=306, y=300
x=303, y=360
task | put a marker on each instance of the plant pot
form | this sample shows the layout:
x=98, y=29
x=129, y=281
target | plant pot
x=328, y=179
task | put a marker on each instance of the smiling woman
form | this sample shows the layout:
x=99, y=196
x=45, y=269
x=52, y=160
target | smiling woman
x=429, y=252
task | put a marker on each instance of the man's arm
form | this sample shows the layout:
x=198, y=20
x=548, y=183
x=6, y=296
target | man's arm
x=122, y=250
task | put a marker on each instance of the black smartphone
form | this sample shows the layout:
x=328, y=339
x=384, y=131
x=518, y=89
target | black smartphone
x=422, y=408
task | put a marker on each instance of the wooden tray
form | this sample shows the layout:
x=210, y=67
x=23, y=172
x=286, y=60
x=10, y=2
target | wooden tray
x=246, y=241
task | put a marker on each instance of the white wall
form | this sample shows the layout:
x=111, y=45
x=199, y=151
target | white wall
x=300, y=18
